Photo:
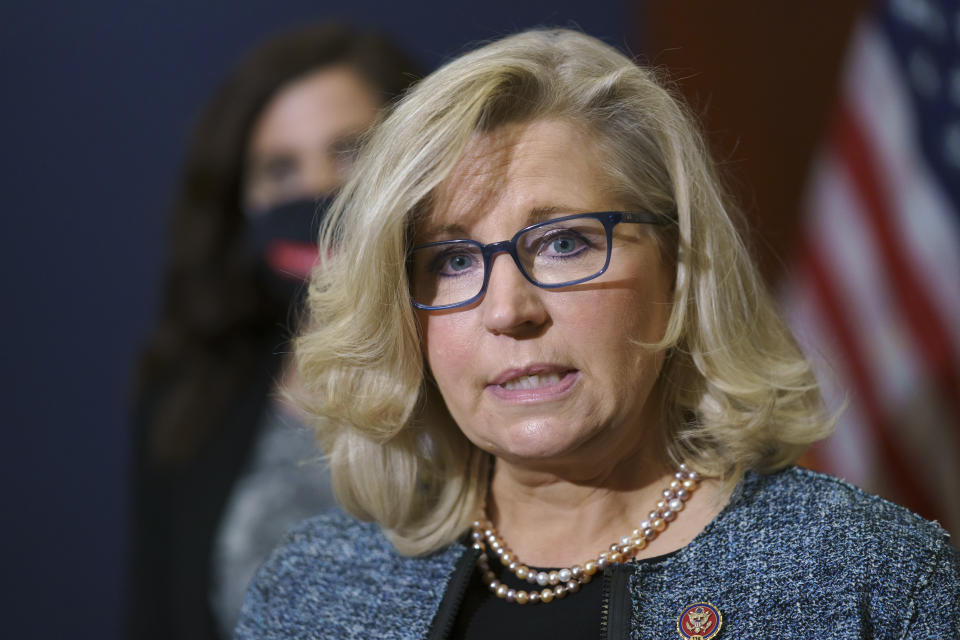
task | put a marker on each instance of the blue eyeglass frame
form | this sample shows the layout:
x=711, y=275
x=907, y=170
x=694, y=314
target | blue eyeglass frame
x=609, y=219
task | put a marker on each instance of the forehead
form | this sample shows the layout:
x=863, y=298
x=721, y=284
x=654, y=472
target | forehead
x=520, y=171
x=320, y=104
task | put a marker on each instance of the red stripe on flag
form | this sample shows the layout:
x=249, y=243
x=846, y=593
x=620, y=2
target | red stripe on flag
x=932, y=337
x=912, y=494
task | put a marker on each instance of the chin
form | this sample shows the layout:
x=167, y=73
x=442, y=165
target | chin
x=537, y=442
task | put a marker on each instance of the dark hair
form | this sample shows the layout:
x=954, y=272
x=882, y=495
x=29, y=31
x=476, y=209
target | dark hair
x=214, y=313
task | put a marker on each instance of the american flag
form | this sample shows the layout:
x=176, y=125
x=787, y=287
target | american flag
x=874, y=294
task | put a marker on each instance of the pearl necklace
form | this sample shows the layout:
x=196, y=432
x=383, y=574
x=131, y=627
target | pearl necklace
x=557, y=584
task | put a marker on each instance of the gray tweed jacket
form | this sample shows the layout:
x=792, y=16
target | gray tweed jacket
x=794, y=554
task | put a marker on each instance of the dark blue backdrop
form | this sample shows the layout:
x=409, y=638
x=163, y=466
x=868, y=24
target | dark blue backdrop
x=97, y=99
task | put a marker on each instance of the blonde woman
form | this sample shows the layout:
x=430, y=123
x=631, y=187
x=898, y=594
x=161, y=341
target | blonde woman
x=555, y=397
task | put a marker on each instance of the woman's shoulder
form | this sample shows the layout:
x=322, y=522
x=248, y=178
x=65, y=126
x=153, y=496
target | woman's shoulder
x=336, y=576
x=322, y=550
x=833, y=510
x=333, y=533
x=798, y=525
x=814, y=550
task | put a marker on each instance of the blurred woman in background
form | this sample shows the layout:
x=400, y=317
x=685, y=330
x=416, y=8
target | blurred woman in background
x=221, y=465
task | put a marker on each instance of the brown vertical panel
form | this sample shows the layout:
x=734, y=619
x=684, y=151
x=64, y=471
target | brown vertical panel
x=762, y=75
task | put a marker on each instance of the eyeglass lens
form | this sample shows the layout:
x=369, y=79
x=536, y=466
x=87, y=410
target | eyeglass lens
x=555, y=253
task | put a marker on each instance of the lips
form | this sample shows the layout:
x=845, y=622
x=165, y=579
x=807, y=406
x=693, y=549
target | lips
x=538, y=382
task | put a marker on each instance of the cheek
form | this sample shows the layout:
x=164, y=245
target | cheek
x=613, y=316
x=446, y=346
x=604, y=331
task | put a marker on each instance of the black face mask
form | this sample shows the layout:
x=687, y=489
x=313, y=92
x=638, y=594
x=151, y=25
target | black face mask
x=282, y=244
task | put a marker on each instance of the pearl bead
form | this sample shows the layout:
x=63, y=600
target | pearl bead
x=483, y=536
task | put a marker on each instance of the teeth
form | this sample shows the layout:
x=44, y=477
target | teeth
x=531, y=382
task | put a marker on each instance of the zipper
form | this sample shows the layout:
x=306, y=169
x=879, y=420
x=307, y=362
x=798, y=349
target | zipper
x=615, y=610
x=453, y=597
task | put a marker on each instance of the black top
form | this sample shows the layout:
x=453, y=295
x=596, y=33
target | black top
x=176, y=512
x=483, y=615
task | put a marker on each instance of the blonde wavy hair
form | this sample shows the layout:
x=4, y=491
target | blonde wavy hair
x=738, y=393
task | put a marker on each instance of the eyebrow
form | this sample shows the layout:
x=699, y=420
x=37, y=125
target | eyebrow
x=536, y=215
x=541, y=214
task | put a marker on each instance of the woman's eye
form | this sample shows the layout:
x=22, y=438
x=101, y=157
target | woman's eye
x=459, y=263
x=277, y=169
x=564, y=245
x=452, y=263
x=560, y=245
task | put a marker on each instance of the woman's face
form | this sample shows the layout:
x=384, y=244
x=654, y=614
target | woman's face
x=303, y=142
x=545, y=377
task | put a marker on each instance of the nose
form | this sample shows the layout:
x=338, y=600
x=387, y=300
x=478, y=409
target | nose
x=321, y=174
x=512, y=305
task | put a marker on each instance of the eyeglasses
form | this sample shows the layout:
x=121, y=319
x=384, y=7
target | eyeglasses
x=556, y=253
